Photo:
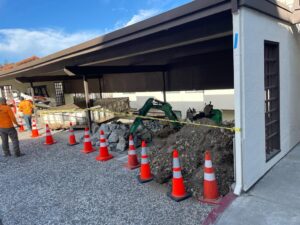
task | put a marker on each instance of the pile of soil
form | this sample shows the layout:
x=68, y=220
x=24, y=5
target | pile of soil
x=192, y=142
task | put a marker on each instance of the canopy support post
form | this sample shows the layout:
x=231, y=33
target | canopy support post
x=87, y=101
x=164, y=86
x=100, y=87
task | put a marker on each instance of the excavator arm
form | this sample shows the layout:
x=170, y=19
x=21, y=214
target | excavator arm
x=152, y=103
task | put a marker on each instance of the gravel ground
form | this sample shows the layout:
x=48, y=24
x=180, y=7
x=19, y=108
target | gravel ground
x=59, y=185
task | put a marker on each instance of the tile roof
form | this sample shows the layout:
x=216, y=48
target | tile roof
x=13, y=65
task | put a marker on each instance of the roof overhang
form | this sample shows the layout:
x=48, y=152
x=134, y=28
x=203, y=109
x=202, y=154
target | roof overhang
x=129, y=42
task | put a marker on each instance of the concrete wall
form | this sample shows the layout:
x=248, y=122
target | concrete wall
x=255, y=29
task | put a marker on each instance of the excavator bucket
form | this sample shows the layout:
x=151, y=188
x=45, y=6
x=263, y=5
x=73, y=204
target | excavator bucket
x=152, y=103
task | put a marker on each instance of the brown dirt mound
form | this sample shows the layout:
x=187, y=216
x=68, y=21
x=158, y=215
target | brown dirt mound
x=192, y=142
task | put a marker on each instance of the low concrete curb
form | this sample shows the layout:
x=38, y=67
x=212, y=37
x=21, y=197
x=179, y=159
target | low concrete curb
x=218, y=210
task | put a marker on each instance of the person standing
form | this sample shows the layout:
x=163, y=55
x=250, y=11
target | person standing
x=7, y=121
x=26, y=107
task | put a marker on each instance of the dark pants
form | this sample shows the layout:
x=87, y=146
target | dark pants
x=13, y=135
x=27, y=119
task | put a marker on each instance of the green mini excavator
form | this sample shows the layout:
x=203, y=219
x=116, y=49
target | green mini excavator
x=152, y=103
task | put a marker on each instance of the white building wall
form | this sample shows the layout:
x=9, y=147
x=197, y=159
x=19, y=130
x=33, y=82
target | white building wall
x=182, y=100
x=255, y=28
x=289, y=3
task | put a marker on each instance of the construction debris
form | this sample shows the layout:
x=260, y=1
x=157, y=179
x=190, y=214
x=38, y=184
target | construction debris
x=103, y=111
x=192, y=142
x=117, y=134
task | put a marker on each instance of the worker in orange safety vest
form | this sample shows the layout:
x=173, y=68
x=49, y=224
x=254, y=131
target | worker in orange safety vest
x=7, y=129
x=26, y=107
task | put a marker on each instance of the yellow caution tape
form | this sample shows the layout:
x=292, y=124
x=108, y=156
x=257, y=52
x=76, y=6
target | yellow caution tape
x=131, y=115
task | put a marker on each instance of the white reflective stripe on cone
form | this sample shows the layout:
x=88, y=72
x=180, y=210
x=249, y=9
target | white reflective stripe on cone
x=209, y=177
x=144, y=160
x=208, y=164
x=102, y=144
x=131, y=142
x=131, y=152
x=177, y=174
x=176, y=163
x=87, y=139
x=102, y=136
x=86, y=133
x=144, y=151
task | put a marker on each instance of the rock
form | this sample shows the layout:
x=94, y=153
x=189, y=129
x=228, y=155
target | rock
x=95, y=128
x=112, y=146
x=124, y=127
x=121, y=133
x=122, y=145
x=105, y=128
x=113, y=137
x=153, y=125
x=96, y=136
x=94, y=141
x=113, y=126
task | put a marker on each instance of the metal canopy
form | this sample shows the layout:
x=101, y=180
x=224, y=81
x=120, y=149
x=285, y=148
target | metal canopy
x=47, y=78
x=173, y=27
x=193, y=50
x=98, y=70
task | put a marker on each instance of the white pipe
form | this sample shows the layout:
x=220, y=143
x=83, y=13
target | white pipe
x=238, y=96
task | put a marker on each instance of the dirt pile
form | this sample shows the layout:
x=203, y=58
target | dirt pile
x=191, y=142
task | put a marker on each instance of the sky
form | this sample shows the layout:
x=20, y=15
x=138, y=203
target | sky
x=42, y=27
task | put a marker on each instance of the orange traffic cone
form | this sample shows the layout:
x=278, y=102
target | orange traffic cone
x=210, y=186
x=87, y=145
x=35, y=131
x=49, y=138
x=145, y=171
x=178, y=190
x=133, y=162
x=103, y=151
x=72, y=138
x=21, y=128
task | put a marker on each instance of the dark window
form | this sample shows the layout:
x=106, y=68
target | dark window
x=6, y=91
x=39, y=91
x=272, y=99
x=59, y=93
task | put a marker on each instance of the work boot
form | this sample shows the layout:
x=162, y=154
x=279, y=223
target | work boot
x=19, y=154
x=7, y=154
